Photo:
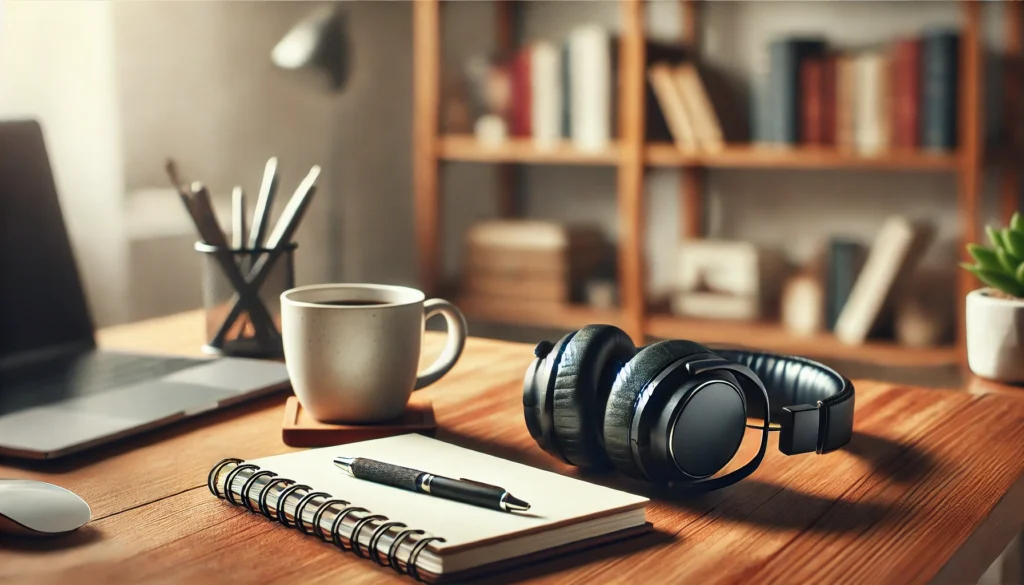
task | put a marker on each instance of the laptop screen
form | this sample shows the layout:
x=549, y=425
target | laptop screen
x=41, y=299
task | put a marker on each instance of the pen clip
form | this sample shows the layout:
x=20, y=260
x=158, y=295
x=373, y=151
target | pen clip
x=482, y=484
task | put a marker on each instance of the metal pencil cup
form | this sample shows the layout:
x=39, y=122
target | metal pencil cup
x=244, y=337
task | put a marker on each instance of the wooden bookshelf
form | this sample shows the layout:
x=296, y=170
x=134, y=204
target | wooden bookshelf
x=630, y=156
x=774, y=157
x=762, y=335
x=523, y=150
x=773, y=337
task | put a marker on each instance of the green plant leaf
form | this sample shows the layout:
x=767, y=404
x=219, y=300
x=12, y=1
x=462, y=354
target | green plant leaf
x=1017, y=222
x=1020, y=273
x=994, y=236
x=985, y=257
x=1006, y=261
x=968, y=266
x=1003, y=282
x=1014, y=243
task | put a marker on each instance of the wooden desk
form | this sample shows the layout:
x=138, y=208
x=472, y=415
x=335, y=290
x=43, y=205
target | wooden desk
x=929, y=489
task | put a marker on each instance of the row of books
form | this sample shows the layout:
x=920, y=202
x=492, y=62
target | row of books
x=549, y=92
x=687, y=107
x=903, y=96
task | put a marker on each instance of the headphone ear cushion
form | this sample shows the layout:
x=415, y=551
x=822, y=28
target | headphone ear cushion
x=631, y=380
x=584, y=378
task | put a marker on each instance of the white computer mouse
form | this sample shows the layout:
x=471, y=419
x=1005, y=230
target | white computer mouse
x=37, y=508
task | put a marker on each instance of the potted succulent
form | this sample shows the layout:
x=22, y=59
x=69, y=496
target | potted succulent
x=995, y=315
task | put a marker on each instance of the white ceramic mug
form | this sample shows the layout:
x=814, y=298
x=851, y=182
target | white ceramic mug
x=352, y=350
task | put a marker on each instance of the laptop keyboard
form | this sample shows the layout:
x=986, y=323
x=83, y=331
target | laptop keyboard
x=84, y=375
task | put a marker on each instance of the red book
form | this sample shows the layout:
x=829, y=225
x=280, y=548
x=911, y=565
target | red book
x=828, y=100
x=520, y=124
x=906, y=93
x=811, y=130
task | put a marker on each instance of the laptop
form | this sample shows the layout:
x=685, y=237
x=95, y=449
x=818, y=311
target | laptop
x=58, y=393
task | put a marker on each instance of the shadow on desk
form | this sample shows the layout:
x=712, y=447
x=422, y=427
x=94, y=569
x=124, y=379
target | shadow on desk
x=752, y=501
x=81, y=537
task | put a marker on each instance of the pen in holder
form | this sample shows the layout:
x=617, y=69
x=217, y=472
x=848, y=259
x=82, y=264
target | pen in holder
x=245, y=336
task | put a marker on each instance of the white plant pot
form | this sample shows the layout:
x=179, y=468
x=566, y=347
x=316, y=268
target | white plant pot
x=995, y=336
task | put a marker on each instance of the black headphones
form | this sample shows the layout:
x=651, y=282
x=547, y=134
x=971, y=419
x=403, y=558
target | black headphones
x=675, y=412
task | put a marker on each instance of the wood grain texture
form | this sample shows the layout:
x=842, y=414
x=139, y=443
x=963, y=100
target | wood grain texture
x=800, y=157
x=970, y=119
x=631, y=208
x=928, y=489
x=425, y=171
x=1010, y=189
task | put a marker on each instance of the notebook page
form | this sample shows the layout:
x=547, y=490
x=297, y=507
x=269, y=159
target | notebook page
x=555, y=499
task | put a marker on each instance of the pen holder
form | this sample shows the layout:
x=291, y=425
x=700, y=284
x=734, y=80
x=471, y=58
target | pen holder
x=243, y=336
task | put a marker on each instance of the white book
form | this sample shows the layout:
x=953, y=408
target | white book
x=546, y=92
x=896, y=249
x=590, y=79
x=870, y=104
x=565, y=513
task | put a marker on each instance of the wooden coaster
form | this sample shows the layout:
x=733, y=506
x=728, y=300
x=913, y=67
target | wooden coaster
x=302, y=430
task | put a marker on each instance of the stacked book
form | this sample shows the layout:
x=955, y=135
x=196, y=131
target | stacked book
x=687, y=107
x=549, y=92
x=541, y=263
x=900, y=97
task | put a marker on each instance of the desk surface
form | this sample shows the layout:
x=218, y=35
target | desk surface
x=929, y=489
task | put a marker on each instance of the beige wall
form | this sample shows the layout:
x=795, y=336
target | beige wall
x=56, y=64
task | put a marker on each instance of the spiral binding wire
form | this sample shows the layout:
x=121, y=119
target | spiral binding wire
x=290, y=489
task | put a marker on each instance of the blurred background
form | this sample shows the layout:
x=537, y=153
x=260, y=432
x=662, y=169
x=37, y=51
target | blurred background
x=719, y=171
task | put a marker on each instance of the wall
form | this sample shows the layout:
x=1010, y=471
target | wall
x=196, y=83
x=794, y=210
x=56, y=65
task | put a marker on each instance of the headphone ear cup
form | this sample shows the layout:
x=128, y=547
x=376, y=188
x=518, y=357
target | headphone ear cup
x=584, y=378
x=631, y=380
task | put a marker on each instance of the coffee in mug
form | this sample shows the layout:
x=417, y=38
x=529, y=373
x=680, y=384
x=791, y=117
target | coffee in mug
x=352, y=350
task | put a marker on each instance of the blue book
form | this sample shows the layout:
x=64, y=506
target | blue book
x=939, y=79
x=566, y=95
x=785, y=56
x=845, y=260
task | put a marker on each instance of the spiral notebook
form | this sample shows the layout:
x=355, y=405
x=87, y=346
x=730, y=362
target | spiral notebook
x=431, y=539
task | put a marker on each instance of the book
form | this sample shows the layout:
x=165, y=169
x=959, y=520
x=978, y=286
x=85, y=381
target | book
x=846, y=88
x=520, y=121
x=905, y=91
x=786, y=55
x=896, y=250
x=939, y=78
x=590, y=80
x=801, y=306
x=829, y=88
x=871, y=104
x=697, y=103
x=812, y=98
x=457, y=540
x=546, y=94
x=567, y=100
x=661, y=76
x=845, y=258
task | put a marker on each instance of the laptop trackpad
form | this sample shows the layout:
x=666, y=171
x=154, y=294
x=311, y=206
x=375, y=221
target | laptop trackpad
x=148, y=401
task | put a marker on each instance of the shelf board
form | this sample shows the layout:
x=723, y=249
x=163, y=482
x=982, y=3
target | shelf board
x=523, y=150
x=804, y=157
x=767, y=336
x=773, y=337
x=511, y=312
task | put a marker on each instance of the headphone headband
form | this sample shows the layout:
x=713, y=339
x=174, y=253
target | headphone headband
x=812, y=402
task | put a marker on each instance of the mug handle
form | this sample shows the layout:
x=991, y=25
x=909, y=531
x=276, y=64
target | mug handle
x=453, y=345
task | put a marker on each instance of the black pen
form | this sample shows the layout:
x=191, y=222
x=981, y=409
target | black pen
x=460, y=490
